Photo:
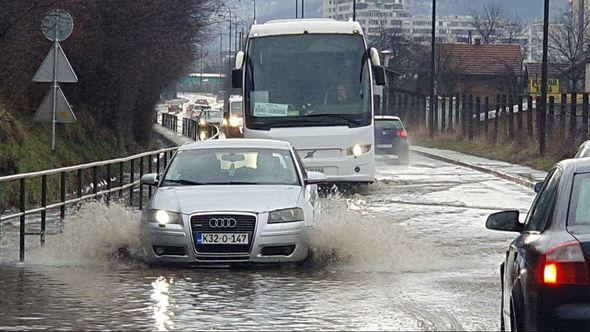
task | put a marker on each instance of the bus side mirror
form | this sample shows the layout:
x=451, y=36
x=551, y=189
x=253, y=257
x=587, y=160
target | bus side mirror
x=379, y=75
x=236, y=78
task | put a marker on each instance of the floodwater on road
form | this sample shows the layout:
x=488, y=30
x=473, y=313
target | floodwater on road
x=409, y=252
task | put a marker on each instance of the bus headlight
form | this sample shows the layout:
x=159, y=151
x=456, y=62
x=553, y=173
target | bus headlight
x=234, y=121
x=358, y=150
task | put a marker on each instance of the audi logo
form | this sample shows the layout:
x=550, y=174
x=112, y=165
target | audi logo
x=222, y=223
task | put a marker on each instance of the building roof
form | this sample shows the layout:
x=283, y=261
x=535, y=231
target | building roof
x=554, y=69
x=468, y=59
x=301, y=26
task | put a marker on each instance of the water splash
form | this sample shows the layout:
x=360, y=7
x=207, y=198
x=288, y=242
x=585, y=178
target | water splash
x=97, y=234
x=347, y=236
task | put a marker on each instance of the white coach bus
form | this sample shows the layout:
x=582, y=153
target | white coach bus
x=310, y=82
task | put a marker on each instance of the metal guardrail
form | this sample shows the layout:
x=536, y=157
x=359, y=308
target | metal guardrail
x=101, y=173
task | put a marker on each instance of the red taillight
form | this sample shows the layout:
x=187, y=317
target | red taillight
x=402, y=134
x=565, y=265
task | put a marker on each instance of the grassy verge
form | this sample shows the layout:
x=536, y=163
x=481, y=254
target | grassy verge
x=522, y=150
x=26, y=147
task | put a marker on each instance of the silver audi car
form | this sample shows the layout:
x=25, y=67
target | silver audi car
x=231, y=201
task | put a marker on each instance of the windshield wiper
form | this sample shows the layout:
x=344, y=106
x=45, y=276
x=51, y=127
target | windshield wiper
x=233, y=182
x=338, y=116
x=186, y=182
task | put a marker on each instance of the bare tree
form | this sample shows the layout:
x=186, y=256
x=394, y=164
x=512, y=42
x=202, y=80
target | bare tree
x=494, y=26
x=489, y=23
x=569, y=44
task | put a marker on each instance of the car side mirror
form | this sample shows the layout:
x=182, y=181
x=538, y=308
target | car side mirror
x=504, y=221
x=236, y=78
x=316, y=178
x=379, y=75
x=538, y=186
x=150, y=179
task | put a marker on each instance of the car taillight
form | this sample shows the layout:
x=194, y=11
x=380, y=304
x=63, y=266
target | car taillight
x=402, y=134
x=565, y=265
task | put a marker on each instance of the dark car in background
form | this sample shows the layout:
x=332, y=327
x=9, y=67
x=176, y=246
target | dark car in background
x=391, y=137
x=583, y=150
x=545, y=276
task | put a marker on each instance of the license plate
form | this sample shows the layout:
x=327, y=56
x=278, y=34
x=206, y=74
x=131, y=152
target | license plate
x=384, y=146
x=222, y=238
x=316, y=169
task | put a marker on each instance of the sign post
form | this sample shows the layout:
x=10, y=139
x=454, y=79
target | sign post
x=56, y=26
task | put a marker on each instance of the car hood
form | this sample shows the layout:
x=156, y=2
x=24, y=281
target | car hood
x=243, y=198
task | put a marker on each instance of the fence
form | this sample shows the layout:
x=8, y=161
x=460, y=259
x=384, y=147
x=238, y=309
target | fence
x=191, y=128
x=107, y=179
x=512, y=115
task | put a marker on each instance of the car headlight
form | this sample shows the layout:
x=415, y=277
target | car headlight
x=234, y=121
x=285, y=215
x=358, y=150
x=164, y=217
x=224, y=123
x=202, y=123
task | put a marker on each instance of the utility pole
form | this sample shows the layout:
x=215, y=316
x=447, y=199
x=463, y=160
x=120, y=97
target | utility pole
x=302, y=8
x=432, y=71
x=543, y=109
x=354, y=10
x=296, y=9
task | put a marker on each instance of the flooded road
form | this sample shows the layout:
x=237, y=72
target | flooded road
x=409, y=252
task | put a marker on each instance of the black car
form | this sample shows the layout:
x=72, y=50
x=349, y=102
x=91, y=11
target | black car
x=391, y=137
x=583, y=150
x=545, y=278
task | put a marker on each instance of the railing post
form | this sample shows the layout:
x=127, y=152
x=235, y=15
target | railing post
x=503, y=110
x=520, y=115
x=551, y=115
x=94, y=180
x=140, y=185
x=497, y=118
x=150, y=162
x=470, y=119
x=574, y=116
x=562, y=111
x=79, y=184
x=44, y=206
x=463, y=115
x=22, y=230
x=477, y=127
x=487, y=114
x=121, y=179
x=585, y=116
x=62, y=196
x=109, y=175
x=131, y=180
x=529, y=118
x=443, y=119
x=511, y=116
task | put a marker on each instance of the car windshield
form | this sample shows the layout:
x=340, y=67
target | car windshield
x=284, y=87
x=236, y=108
x=232, y=166
x=579, y=213
x=388, y=124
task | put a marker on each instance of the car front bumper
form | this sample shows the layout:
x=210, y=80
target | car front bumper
x=288, y=236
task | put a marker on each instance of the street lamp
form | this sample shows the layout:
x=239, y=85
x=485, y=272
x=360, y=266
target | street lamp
x=254, y=14
x=544, y=69
x=385, y=97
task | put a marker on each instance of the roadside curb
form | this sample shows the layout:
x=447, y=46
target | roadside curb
x=502, y=175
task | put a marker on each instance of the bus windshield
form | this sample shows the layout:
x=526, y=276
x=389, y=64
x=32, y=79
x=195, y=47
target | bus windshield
x=307, y=80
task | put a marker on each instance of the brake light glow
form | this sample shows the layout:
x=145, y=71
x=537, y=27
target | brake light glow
x=565, y=265
x=402, y=134
x=550, y=274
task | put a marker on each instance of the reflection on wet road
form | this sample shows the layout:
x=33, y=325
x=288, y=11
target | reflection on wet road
x=408, y=252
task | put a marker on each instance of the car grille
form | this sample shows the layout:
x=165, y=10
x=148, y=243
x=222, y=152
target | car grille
x=244, y=224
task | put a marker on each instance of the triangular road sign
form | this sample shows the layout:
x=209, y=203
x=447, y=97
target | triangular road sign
x=64, y=71
x=63, y=111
